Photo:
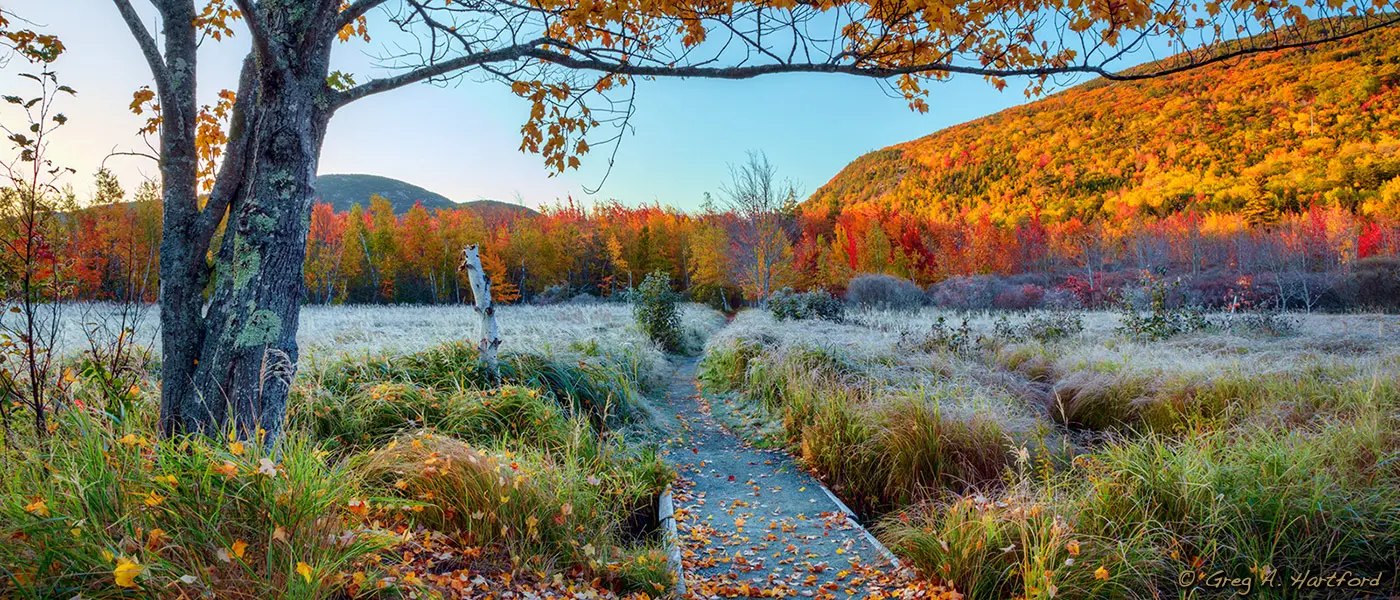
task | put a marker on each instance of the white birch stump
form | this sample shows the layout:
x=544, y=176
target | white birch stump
x=481, y=295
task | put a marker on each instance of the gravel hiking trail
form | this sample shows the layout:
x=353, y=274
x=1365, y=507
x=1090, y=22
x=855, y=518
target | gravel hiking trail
x=752, y=523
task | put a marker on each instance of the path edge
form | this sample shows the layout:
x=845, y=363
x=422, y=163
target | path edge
x=666, y=511
x=869, y=537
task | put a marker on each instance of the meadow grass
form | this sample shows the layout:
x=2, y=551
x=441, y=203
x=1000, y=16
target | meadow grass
x=1086, y=464
x=390, y=448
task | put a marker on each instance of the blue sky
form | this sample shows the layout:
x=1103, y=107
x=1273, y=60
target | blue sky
x=463, y=141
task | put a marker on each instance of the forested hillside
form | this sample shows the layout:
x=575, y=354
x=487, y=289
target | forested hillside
x=343, y=190
x=1271, y=134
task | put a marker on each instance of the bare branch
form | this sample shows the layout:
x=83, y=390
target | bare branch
x=436, y=70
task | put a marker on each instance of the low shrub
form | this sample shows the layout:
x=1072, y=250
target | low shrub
x=723, y=298
x=1019, y=297
x=1375, y=283
x=815, y=304
x=1042, y=327
x=1060, y=299
x=657, y=310
x=1272, y=324
x=884, y=292
x=1230, y=291
x=1167, y=314
x=554, y=294
x=1097, y=291
x=941, y=337
x=963, y=293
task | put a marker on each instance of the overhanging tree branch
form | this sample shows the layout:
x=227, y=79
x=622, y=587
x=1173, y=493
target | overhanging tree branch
x=385, y=84
x=355, y=11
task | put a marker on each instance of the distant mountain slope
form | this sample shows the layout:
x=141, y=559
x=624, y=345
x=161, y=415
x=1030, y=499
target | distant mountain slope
x=344, y=190
x=1269, y=133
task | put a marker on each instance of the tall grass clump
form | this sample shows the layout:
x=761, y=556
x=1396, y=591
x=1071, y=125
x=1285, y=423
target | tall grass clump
x=1246, y=502
x=104, y=511
x=878, y=449
x=1100, y=401
x=602, y=391
x=1320, y=498
x=510, y=470
x=724, y=368
x=582, y=506
x=375, y=414
x=1022, y=542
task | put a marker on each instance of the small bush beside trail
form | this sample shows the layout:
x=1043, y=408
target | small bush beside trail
x=816, y=304
x=657, y=309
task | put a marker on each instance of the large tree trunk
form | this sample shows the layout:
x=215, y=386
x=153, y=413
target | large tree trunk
x=229, y=367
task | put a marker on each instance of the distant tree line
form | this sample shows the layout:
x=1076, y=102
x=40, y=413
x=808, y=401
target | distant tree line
x=729, y=255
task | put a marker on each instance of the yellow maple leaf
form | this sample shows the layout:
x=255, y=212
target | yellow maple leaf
x=304, y=570
x=1101, y=574
x=126, y=572
x=239, y=547
x=38, y=508
x=236, y=448
x=129, y=440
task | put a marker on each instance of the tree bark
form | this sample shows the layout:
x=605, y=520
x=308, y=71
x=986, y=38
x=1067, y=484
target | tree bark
x=481, y=296
x=229, y=367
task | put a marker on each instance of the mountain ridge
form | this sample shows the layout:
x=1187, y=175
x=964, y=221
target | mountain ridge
x=343, y=190
x=1271, y=134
